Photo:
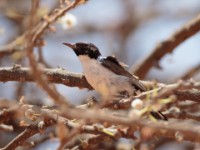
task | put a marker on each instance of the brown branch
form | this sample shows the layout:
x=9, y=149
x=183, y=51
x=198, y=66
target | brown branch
x=37, y=31
x=10, y=48
x=182, y=91
x=29, y=39
x=61, y=76
x=90, y=142
x=4, y=127
x=32, y=35
x=69, y=137
x=182, y=115
x=50, y=118
x=43, y=82
x=18, y=111
x=7, y=114
x=58, y=76
x=167, y=46
x=19, y=140
x=174, y=129
x=188, y=131
x=92, y=129
x=22, y=137
x=193, y=95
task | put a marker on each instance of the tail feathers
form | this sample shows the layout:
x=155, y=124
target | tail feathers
x=158, y=115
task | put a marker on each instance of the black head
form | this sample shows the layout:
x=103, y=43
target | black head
x=88, y=49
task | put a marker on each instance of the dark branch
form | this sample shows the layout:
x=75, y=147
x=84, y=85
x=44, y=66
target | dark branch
x=58, y=76
x=167, y=46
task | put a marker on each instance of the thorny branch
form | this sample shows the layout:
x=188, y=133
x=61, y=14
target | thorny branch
x=167, y=46
x=59, y=76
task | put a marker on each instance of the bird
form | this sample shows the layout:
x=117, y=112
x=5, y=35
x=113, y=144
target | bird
x=106, y=74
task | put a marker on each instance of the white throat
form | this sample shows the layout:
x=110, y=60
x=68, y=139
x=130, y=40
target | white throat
x=84, y=58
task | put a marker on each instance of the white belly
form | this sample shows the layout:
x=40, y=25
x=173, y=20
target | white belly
x=102, y=80
x=98, y=78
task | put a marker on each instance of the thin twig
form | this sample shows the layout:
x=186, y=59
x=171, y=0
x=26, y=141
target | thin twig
x=22, y=137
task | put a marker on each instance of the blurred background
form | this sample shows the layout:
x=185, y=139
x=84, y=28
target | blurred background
x=129, y=29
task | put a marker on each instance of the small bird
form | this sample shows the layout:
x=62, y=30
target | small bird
x=106, y=74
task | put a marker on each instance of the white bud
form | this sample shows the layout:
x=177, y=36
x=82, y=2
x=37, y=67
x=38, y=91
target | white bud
x=67, y=21
x=137, y=104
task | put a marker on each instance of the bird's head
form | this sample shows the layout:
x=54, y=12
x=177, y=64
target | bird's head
x=85, y=49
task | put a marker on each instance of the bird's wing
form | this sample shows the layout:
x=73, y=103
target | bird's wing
x=112, y=64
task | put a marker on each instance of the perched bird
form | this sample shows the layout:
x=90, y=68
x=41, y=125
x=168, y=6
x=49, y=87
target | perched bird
x=106, y=74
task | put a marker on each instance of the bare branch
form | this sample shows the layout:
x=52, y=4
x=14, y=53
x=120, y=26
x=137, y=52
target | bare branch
x=167, y=46
x=59, y=76
x=193, y=95
x=22, y=137
x=32, y=35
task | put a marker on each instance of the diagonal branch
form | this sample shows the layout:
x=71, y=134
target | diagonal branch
x=19, y=43
x=166, y=46
x=32, y=35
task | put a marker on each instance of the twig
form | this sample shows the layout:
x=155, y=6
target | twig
x=41, y=57
x=22, y=137
x=7, y=114
x=166, y=46
x=50, y=118
x=182, y=115
x=32, y=37
x=10, y=48
x=89, y=143
x=69, y=137
x=193, y=95
x=5, y=127
x=187, y=131
x=173, y=129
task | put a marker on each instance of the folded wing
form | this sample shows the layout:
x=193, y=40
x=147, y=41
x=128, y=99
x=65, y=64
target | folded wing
x=112, y=64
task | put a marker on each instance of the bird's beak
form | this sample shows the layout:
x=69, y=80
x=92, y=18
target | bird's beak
x=69, y=45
